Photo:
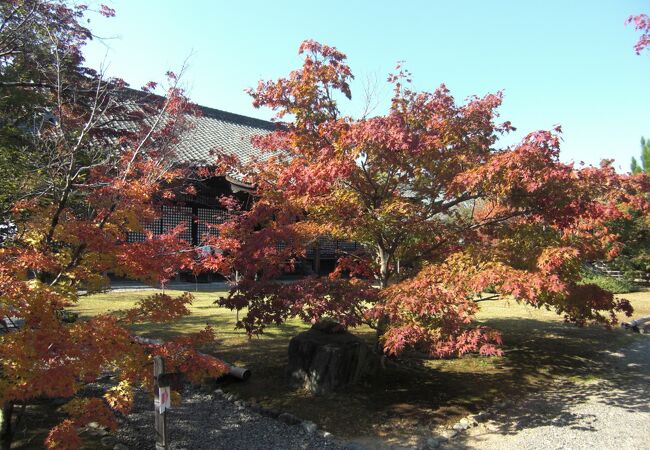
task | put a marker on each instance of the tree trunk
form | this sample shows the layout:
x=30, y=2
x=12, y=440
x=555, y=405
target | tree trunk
x=327, y=358
x=383, y=257
x=6, y=431
x=382, y=324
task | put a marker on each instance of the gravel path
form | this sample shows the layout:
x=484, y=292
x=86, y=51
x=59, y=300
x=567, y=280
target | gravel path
x=612, y=414
x=209, y=421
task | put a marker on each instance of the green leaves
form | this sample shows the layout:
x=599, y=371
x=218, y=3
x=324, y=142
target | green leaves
x=644, y=167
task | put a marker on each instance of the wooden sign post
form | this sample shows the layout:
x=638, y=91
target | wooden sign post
x=160, y=414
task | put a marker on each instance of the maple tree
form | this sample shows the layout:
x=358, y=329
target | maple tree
x=641, y=22
x=101, y=163
x=441, y=212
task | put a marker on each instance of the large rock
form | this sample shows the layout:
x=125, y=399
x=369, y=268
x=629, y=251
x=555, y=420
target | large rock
x=327, y=357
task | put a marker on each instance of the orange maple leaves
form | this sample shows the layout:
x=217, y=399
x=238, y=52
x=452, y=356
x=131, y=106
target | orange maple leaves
x=441, y=213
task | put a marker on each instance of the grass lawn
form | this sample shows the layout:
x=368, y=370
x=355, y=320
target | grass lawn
x=538, y=347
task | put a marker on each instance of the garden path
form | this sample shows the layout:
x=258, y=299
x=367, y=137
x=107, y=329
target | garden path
x=603, y=414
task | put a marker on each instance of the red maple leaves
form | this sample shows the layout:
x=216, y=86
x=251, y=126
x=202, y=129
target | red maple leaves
x=103, y=169
x=441, y=213
x=641, y=23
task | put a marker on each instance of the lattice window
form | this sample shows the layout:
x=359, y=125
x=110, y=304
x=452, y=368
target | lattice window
x=135, y=236
x=176, y=215
x=138, y=236
x=327, y=246
x=333, y=247
x=347, y=246
x=210, y=217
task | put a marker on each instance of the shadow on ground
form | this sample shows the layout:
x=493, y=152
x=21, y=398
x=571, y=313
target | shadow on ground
x=414, y=396
x=553, y=364
x=618, y=379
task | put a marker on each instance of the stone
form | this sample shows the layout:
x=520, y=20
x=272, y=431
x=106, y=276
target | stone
x=326, y=434
x=448, y=434
x=329, y=327
x=230, y=397
x=327, y=357
x=460, y=426
x=289, y=419
x=93, y=425
x=481, y=416
x=218, y=392
x=468, y=422
x=309, y=427
x=108, y=441
x=433, y=442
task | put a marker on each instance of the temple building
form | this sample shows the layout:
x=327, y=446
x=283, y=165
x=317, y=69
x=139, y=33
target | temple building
x=215, y=131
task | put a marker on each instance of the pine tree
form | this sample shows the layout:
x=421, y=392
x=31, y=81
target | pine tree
x=645, y=159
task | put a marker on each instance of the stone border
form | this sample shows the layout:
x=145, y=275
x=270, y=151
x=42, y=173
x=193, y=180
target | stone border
x=465, y=423
x=107, y=439
x=433, y=442
x=285, y=417
x=438, y=439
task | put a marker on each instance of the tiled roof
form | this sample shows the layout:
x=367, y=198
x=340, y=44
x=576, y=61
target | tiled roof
x=213, y=131
x=216, y=131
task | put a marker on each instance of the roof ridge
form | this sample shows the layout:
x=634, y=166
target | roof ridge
x=209, y=112
x=237, y=118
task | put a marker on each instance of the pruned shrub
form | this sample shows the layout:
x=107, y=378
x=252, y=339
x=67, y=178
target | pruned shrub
x=611, y=284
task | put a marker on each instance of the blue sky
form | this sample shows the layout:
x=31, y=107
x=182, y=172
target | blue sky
x=558, y=61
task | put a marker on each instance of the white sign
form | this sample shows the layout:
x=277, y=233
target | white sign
x=164, y=399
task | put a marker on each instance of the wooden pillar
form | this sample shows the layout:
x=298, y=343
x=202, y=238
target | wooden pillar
x=162, y=438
